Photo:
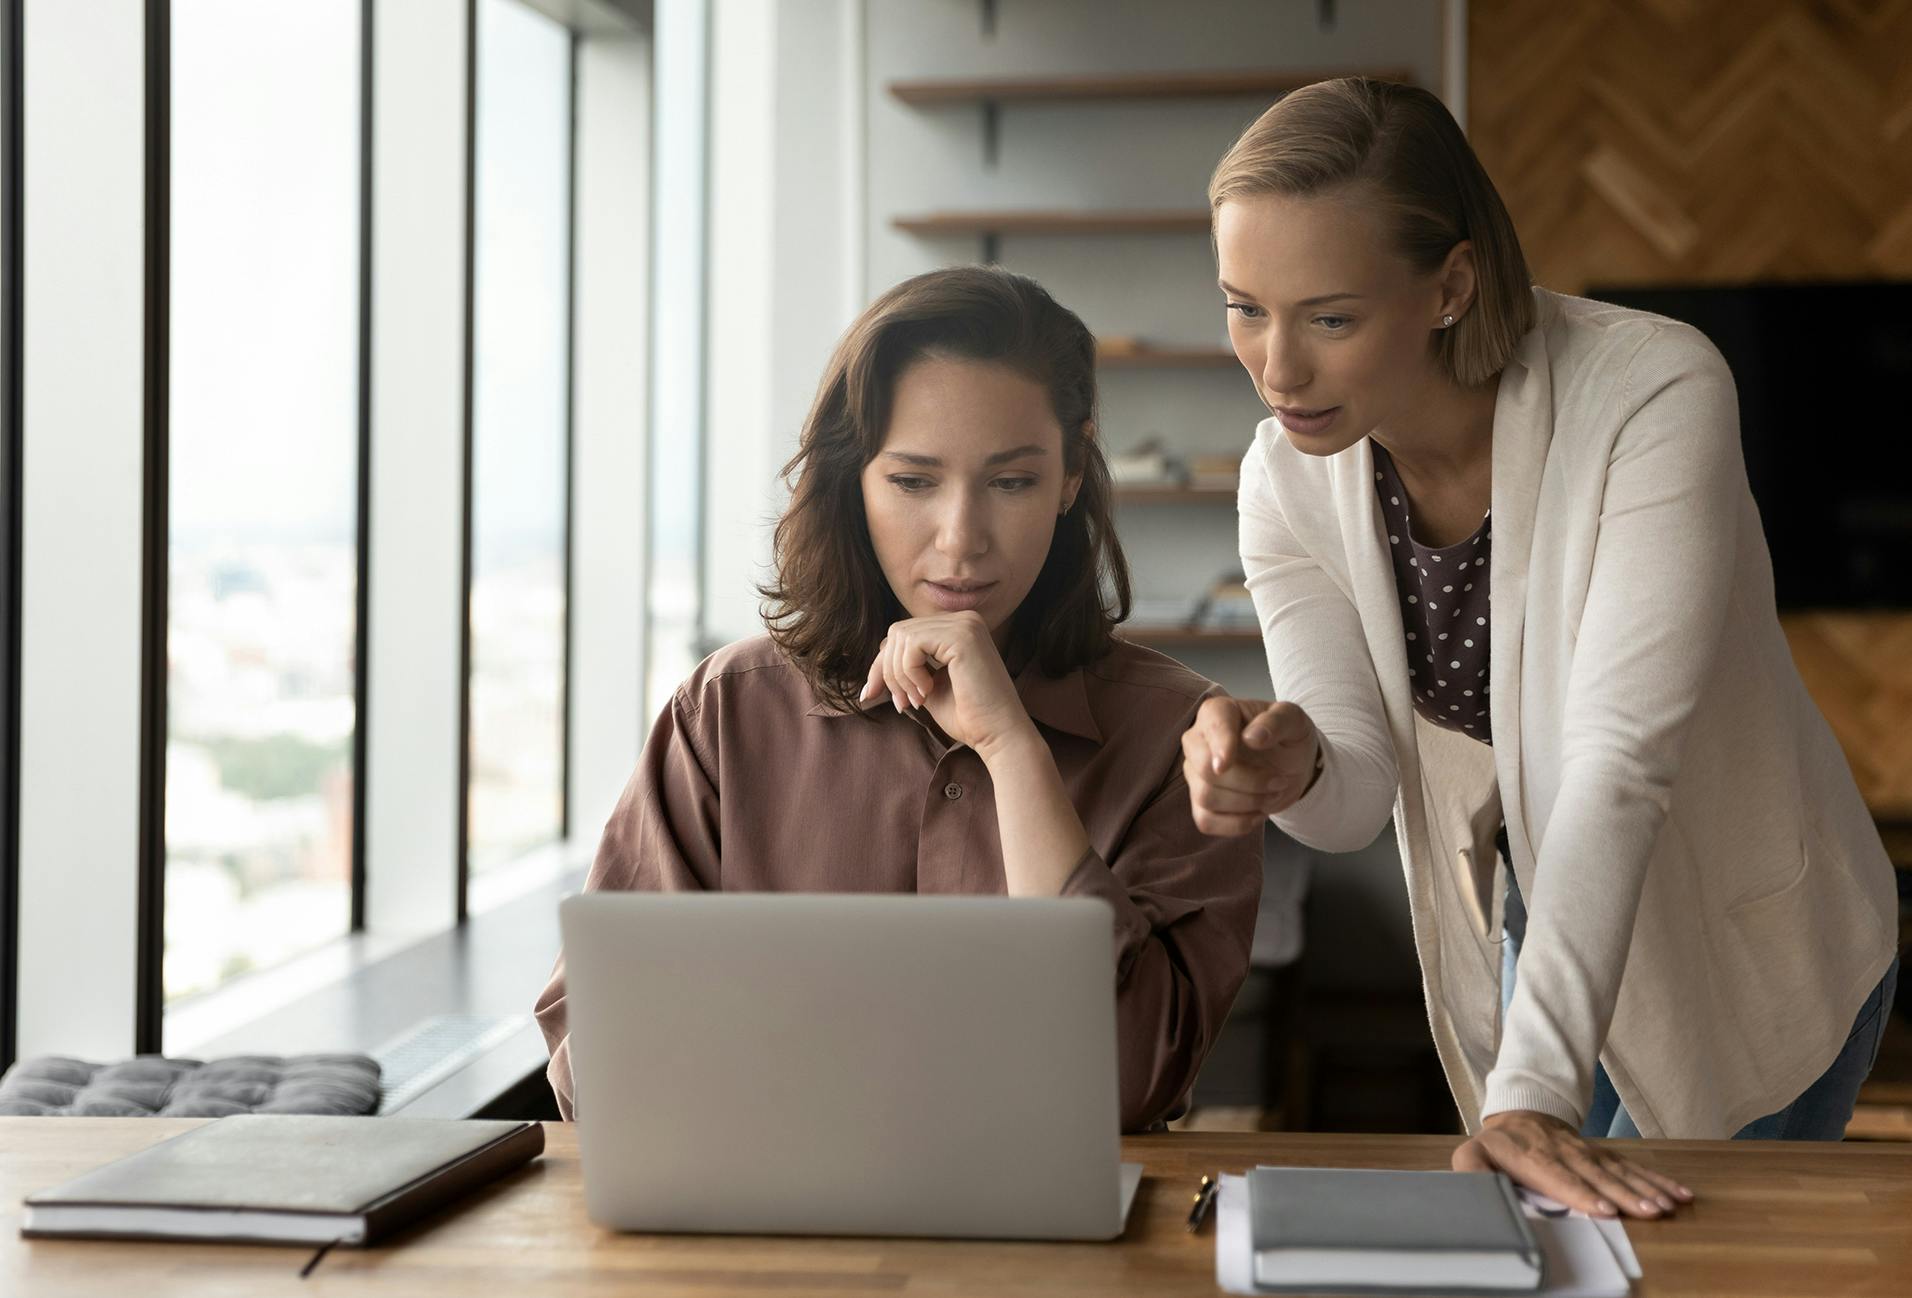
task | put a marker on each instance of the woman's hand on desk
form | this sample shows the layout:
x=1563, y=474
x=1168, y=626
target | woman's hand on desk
x=1543, y=1153
x=1246, y=760
x=949, y=666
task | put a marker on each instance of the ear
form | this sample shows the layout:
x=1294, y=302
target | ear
x=1072, y=485
x=1457, y=281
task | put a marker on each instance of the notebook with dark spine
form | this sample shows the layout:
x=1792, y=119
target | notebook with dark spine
x=1361, y=1231
x=280, y=1179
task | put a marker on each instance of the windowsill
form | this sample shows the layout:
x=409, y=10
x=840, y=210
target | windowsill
x=363, y=992
x=200, y=1020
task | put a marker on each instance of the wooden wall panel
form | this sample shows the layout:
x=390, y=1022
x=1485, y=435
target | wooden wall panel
x=1646, y=142
x=1662, y=141
x=1859, y=669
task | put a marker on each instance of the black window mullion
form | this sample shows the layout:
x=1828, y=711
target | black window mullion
x=11, y=442
x=361, y=632
x=465, y=544
x=150, y=994
x=570, y=451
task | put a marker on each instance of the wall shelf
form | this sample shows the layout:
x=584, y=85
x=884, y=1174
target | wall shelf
x=1133, y=86
x=1164, y=358
x=1168, y=637
x=1133, y=494
x=1189, y=221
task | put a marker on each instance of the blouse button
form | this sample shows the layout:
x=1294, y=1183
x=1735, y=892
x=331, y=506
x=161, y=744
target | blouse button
x=952, y=791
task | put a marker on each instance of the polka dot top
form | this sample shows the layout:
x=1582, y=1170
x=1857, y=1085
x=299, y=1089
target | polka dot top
x=1444, y=609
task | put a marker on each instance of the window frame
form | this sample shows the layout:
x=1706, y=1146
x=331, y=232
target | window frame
x=12, y=300
x=149, y=1003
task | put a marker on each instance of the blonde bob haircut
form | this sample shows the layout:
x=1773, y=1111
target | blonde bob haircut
x=1398, y=148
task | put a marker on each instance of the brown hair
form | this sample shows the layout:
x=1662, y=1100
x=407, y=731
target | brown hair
x=1402, y=147
x=830, y=605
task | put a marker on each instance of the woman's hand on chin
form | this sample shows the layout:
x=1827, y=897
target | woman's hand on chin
x=949, y=665
x=1543, y=1153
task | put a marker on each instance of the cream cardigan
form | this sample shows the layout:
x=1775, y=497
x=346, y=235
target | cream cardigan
x=1709, y=900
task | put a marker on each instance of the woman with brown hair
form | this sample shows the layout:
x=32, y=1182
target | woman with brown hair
x=941, y=704
x=1696, y=904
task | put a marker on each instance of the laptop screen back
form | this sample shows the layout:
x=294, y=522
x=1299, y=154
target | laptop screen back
x=845, y=1064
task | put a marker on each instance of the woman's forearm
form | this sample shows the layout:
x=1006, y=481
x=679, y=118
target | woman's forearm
x=1042, y=836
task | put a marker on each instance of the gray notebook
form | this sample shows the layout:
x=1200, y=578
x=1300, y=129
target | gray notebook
x=1358, y=1231
x=284, y=1180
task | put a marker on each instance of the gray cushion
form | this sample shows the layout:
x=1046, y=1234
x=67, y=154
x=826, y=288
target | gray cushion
x=154, y=1087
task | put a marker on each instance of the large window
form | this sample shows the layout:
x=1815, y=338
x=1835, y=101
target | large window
x=520, y=434
x=262, y=599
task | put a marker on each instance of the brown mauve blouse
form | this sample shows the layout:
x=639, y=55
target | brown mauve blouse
x=821, y=801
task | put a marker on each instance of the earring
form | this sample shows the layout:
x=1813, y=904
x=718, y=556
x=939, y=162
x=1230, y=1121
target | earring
x=1447, y=322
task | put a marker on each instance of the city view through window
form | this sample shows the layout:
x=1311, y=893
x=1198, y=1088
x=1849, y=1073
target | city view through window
x=264, y=461
x=519, y=457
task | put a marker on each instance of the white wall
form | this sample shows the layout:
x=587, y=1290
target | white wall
x=608, y=482
x=415, y=594
x=784, y=281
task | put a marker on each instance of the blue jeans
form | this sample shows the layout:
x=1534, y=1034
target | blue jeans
x=1819, y=1113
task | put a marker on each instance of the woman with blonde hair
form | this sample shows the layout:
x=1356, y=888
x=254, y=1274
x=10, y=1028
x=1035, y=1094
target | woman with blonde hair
x=1694, y=931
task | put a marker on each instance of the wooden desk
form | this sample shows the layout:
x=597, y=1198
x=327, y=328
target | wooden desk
x=1771, y=1219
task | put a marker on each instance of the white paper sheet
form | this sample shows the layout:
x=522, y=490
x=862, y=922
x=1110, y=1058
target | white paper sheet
x=1611, y=1229
x=1131, y=1182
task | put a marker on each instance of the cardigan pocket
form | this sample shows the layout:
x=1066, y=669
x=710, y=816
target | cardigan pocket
x=1761, y=895
x=1792, y=956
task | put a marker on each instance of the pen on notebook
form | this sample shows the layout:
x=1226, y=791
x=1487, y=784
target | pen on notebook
x=1204, y=1197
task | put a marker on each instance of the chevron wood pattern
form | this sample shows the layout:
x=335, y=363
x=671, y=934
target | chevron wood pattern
x=1858, y=667
x=1660, y=141
x=1719, y=141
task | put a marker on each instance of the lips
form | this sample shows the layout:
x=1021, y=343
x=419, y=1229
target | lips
x=1307, y=423
x=956, y=596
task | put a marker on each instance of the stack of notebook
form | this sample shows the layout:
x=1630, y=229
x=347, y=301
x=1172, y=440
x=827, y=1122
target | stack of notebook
x=1282, y=1229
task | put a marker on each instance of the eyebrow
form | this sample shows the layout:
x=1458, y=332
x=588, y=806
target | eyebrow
x=1320, y=300
x=1000, y=457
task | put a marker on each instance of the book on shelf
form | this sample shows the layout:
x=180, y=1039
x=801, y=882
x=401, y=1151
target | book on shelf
x=1146, y=464
x=1162, y=612
x=1227, y=606
x=1211, y=472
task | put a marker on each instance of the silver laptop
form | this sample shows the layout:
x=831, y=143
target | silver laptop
x=754, y=1063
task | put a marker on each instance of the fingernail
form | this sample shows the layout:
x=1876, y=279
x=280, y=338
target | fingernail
x=1651, y=1208
x=1215, y=763
x=1666, y=1202
x=1606, y=1209
x=1685, y=1193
